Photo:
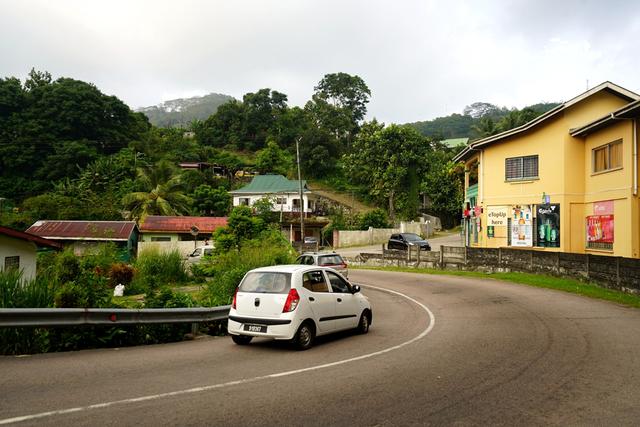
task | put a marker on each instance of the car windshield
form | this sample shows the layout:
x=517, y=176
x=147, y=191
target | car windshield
x=266, y=282
x=410, y=237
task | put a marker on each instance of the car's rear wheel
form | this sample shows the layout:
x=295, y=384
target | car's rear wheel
x=303, y=340
x=241, y=339
x=363, y=325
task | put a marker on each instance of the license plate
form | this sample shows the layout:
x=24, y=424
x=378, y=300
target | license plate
x=255, y=328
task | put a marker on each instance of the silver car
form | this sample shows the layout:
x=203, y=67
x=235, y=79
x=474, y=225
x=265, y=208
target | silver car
x=325, y=259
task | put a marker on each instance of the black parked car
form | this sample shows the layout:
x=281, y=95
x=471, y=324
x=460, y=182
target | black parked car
x=404, y=240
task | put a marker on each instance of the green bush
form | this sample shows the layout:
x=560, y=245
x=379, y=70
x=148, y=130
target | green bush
x=16, y=293
x=155, y=269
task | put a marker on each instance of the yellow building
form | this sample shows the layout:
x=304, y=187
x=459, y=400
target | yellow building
x=566, y=181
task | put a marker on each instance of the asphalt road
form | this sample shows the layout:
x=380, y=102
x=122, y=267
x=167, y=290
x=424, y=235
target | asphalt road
x=493, y=353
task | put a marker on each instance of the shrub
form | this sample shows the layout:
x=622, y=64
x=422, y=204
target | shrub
x=155, y=269
x=376, y=218
x=16, y=293
x=120, y=273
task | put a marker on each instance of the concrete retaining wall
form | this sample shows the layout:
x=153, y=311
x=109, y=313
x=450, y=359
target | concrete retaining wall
x=372, y=236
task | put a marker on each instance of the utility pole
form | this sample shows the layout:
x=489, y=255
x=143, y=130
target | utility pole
x=301, y=194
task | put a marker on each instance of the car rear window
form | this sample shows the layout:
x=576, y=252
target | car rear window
x=266, y=283
x=330, y=260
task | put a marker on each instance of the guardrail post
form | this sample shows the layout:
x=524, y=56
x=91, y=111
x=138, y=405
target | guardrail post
x=441, y=256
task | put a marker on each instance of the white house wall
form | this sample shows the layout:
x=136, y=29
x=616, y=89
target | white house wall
x=25, y=250
x=286, y=207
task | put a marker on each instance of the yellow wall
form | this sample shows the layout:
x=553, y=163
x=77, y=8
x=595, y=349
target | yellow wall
x=564, y=169
x=616, y=185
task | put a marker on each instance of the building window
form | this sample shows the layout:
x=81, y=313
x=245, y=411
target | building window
x=521, y=168
x=161, y=239
x=281, y=201
x=607, y=157
x=11, y=263
x=243, y=201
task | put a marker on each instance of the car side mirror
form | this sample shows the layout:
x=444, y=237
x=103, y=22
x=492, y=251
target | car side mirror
x=355, y=289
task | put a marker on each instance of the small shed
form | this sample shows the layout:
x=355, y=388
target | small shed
x=84, y=236
x=18, y=251
x=181, y=233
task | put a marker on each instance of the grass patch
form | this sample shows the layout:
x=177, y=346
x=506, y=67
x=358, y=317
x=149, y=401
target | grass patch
x=538, y=280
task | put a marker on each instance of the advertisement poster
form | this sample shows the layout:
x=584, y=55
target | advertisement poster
x=600, y=229
x=521, y=232
x=497, y=216
x=548, y=225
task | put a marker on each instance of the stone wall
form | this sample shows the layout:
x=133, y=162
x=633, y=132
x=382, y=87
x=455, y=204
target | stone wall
x=610, y=272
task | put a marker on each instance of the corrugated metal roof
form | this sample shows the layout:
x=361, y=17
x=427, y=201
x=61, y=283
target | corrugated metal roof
x=181, y=224
x=271, y=184
x=39, y=241
x=83, y=230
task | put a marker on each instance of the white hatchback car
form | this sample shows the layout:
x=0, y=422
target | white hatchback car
x=297, y=303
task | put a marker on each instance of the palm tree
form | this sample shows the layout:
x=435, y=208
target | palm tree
x=162, y=193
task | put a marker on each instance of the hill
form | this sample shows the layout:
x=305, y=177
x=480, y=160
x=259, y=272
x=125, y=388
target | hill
x=180, y=112
x=472, y=123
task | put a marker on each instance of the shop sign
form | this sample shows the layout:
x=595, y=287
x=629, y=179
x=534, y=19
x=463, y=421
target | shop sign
x=490, y=231
x=600, y=229
x=603, y=208
x=548, y=225
x=521, y=232
x=497, y=216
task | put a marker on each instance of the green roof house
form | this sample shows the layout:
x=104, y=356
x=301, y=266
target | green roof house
x=283, y=192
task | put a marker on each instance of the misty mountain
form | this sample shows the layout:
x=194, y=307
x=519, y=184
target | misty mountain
x=180, y=112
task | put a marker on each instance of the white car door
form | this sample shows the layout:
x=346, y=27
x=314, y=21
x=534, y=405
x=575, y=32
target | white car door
x=347, y=307
x=321, y=300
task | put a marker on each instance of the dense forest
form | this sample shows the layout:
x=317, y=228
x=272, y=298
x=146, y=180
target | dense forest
x=68, y=151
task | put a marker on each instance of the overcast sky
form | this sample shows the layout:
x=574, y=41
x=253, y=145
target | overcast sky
x=421, y=59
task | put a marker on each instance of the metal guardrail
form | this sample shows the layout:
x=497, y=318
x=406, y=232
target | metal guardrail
x=43, y=317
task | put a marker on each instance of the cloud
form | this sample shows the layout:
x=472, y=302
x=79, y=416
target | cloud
x=421, y=59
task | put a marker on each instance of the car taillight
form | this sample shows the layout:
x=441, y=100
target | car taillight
x=233, y=304
x=292, y=301
x=344, y=264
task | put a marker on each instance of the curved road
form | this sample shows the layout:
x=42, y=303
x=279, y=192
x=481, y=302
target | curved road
x=496, y=353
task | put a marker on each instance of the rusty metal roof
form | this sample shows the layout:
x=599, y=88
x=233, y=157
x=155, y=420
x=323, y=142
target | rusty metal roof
x=39, y=241
x=181, y=224
x=83, y=230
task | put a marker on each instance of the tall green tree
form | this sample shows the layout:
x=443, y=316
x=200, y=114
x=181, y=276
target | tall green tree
x=384, y=159
x=161, y=193
x=339, y=104
x=273, y=159
x=212, y=201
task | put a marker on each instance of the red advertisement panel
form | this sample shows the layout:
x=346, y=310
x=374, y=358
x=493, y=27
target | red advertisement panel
x=600, y=228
